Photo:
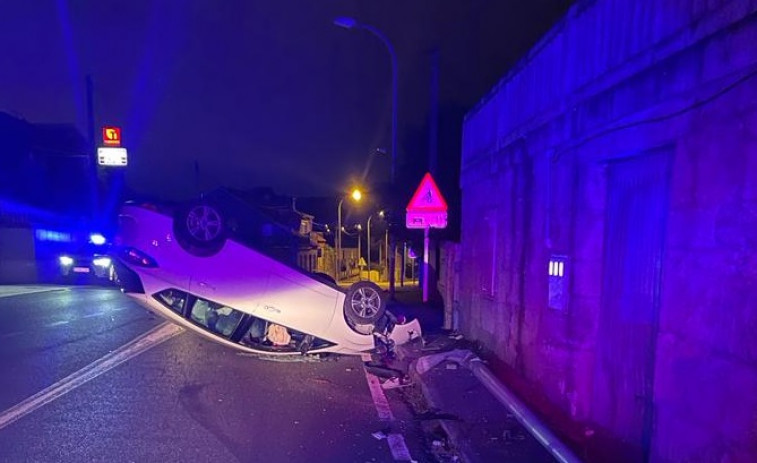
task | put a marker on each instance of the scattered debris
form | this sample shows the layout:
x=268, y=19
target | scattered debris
x=404, y=333
x=394, y=383
x=426, y=363
x=430, y=415
x=383, y=434
x=508, y=435
x=382, y=371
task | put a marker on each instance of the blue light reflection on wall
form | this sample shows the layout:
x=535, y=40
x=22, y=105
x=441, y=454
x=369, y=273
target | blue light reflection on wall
x=52, y=235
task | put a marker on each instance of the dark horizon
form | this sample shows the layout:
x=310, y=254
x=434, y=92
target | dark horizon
x=256, y=95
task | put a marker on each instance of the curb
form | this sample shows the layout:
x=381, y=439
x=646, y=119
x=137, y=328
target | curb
x=451, y=428
x=421, y=365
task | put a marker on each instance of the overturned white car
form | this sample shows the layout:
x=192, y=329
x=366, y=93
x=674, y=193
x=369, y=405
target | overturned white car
x=189, y=267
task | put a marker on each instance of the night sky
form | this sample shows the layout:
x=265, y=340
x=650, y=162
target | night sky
x=256, y=93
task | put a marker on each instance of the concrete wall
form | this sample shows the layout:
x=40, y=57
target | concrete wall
x=619, y=81
x=17, y=257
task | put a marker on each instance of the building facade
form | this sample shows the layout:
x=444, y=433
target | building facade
x=608, y=254
x=46, y=196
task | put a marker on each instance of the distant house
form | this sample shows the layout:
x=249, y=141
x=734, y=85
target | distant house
x=325, y=213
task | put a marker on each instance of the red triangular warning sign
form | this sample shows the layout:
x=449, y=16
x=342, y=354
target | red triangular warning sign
x=427, y=197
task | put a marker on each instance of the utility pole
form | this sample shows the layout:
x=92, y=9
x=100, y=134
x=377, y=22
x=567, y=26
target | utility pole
x=433, y=131
x=352, y=23
x=197, y=178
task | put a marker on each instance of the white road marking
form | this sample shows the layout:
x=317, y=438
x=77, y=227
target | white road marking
x=141, y=344
x=62, y=322
x=13, y=290
x=399, y=449
x=379, y=399
x=396, y=441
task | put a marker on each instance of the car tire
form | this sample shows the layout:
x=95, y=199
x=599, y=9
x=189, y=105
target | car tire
x=365, y=303
x=200, y=228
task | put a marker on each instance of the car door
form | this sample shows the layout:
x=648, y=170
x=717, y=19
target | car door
x=236, y=277
x=297, y=300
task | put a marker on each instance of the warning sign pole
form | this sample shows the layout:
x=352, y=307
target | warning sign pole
x=425, y=264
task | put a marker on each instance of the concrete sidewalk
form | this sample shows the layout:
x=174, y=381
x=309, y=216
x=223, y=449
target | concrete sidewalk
x=478, y=427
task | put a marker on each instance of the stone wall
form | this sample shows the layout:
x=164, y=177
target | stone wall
x=17, y=257
x=596, y=92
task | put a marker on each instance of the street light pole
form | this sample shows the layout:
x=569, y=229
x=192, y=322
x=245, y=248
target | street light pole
x=356, y=196
x=351, y=23
x=369, y=246
x=338, y=242
x=381, y=215
x=386, y=252
x=359, y=256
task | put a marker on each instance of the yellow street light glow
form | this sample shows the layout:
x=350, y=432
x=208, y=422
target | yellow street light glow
x=357, y=195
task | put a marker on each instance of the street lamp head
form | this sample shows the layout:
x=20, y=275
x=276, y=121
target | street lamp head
x=357, y=195
x=381, y=214
x=359, y=227
x=345, y=22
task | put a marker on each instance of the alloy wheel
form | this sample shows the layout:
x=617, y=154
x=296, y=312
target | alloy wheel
x=204, y=223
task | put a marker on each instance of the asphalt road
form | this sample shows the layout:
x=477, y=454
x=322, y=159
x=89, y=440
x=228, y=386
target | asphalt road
x=181, y=398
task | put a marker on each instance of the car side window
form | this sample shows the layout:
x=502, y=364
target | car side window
x=267, y=336
x=173, y=299
x=217, y=318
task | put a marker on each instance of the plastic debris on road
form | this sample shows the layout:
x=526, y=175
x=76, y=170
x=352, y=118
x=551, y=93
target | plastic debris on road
x=426, y=363
x=395, y=383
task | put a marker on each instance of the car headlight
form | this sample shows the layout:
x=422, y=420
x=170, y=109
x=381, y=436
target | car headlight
x=102, y=262
x=65, y=261
x=97, y=239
